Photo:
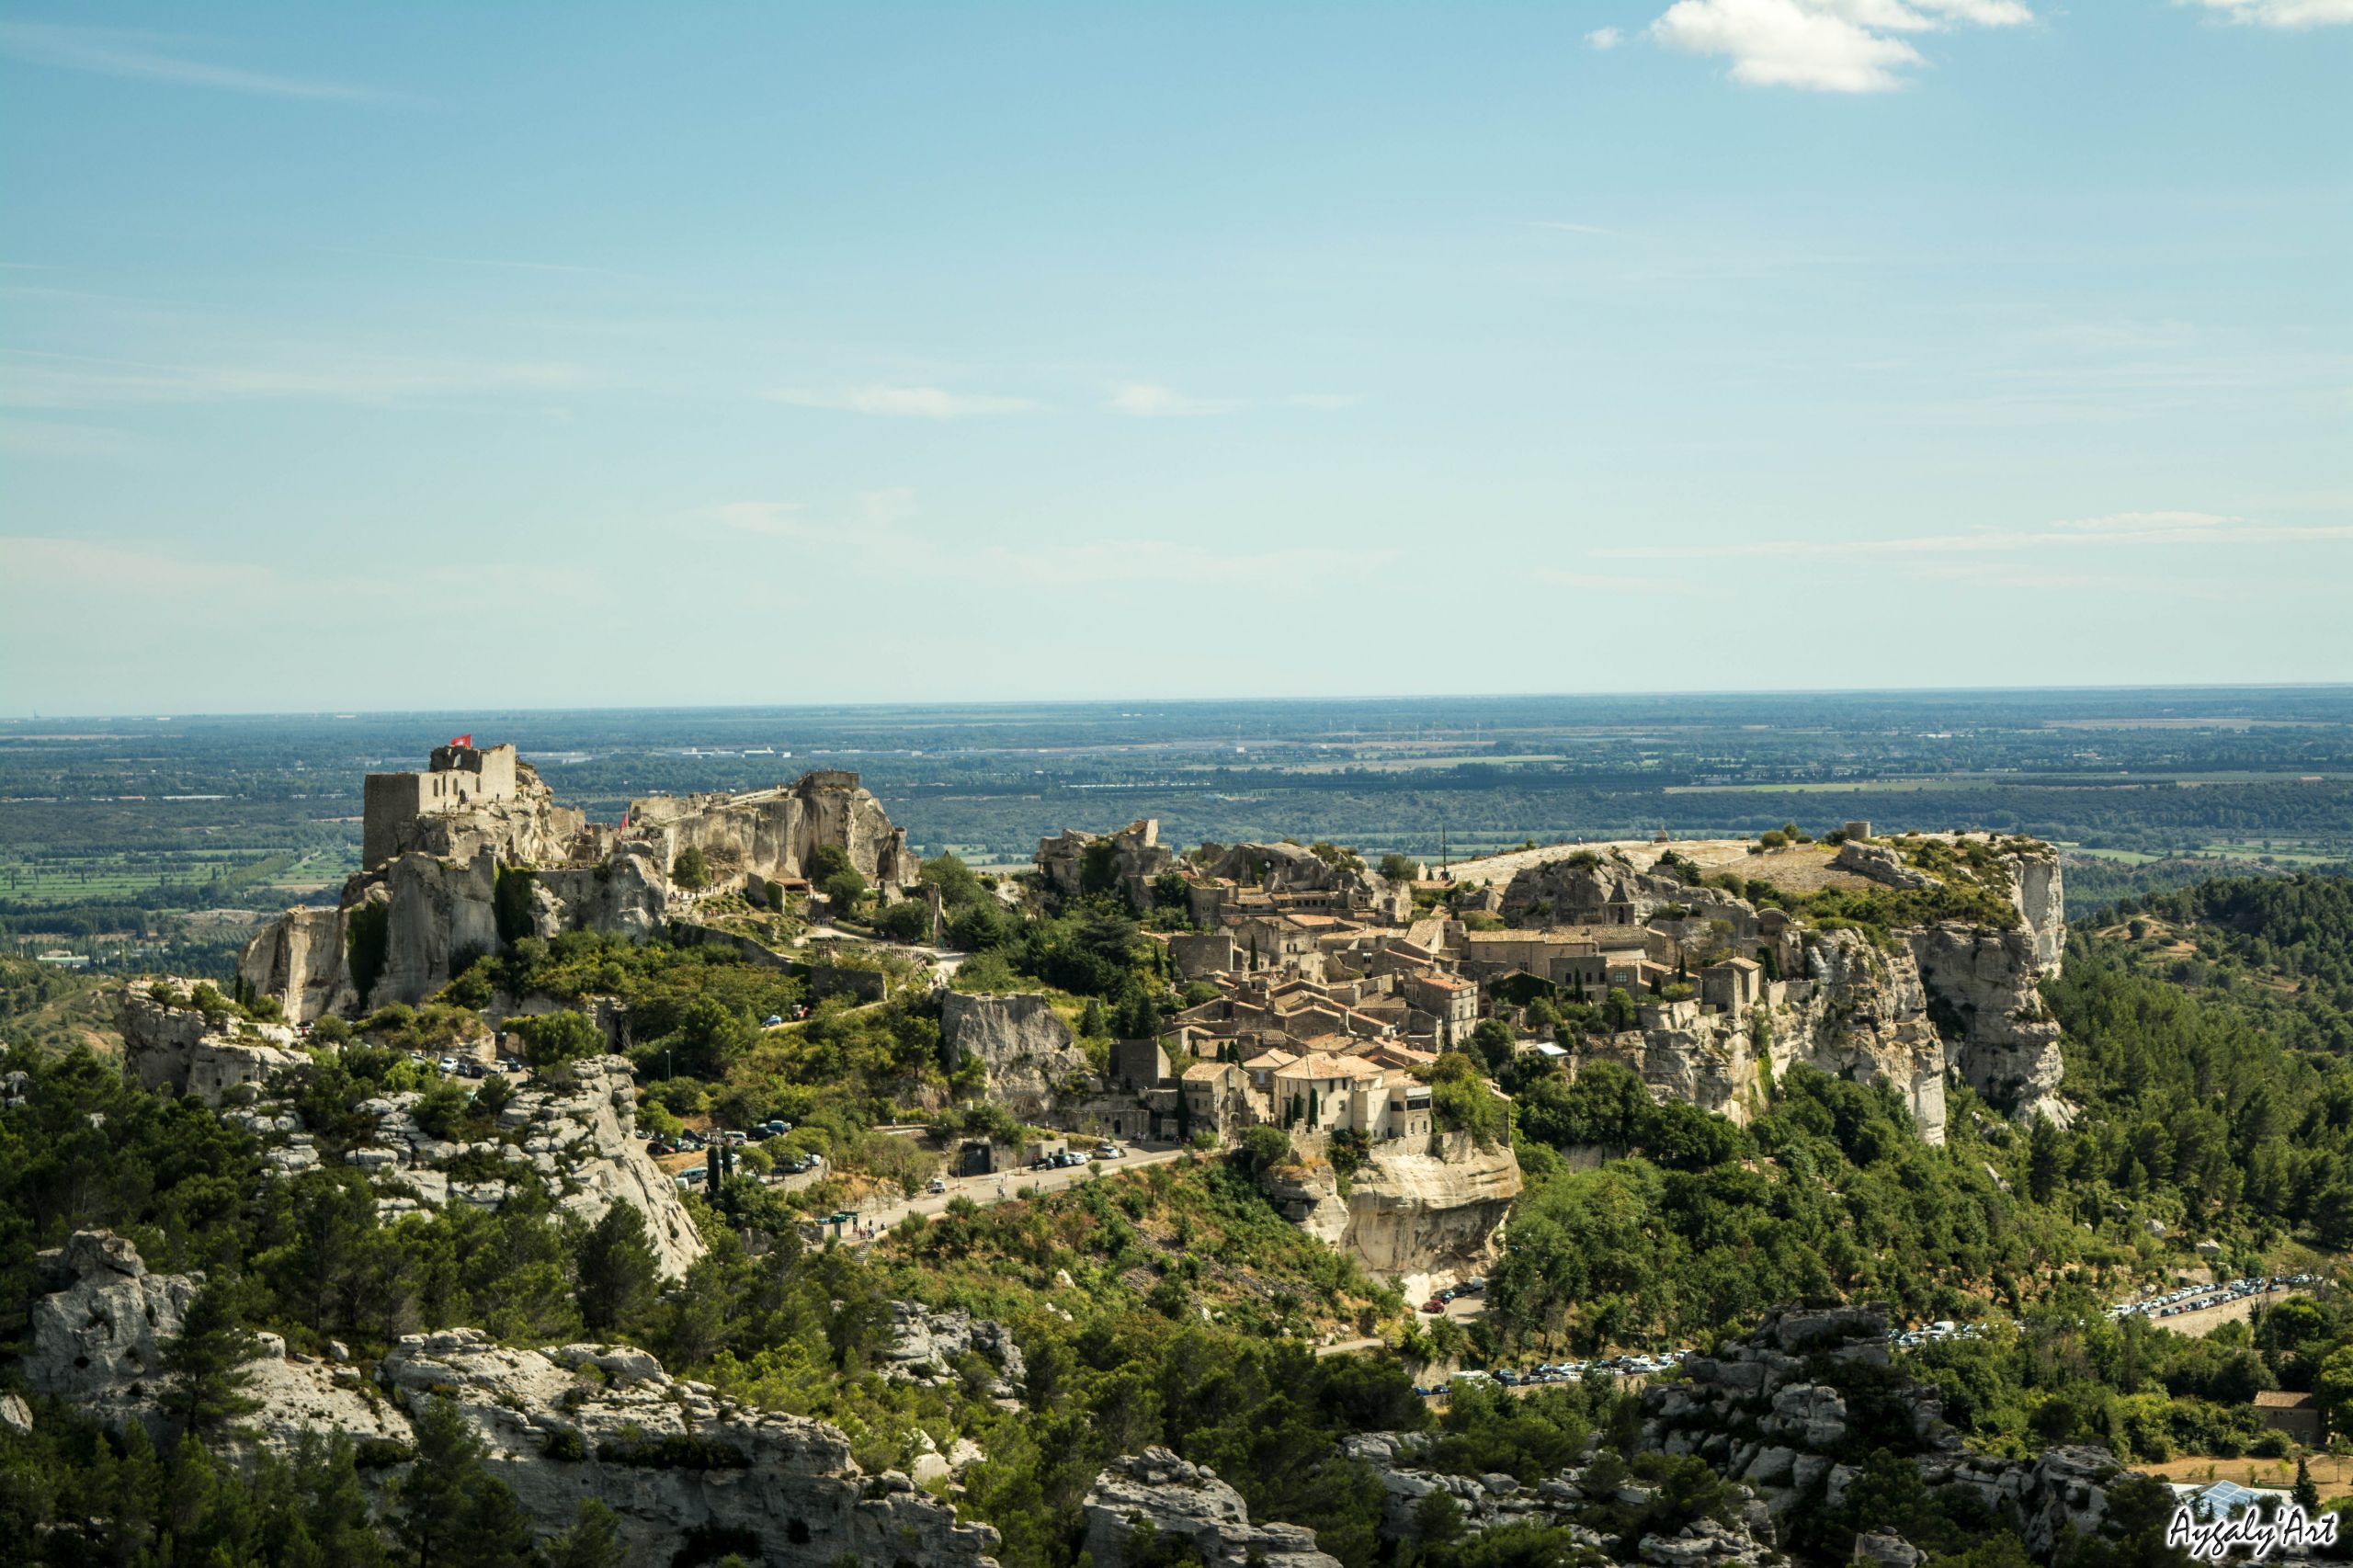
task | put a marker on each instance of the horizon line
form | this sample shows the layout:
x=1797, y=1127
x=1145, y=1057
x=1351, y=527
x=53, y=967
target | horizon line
x=149, y=716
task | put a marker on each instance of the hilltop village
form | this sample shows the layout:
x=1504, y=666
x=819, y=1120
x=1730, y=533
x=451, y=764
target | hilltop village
x=1297, y=988
x=729, y=1029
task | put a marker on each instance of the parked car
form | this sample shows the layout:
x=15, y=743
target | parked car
x=935, y=1184
x=658, y=1148
x=449, y=1065
x=1433, y=1305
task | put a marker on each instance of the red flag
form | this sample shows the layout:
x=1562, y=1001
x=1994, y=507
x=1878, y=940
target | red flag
x=465, y=740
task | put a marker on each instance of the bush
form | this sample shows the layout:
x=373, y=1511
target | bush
x=909, y=920
x=691, y=869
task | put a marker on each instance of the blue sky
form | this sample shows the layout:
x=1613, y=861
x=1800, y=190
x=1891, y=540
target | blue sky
x=374, y=357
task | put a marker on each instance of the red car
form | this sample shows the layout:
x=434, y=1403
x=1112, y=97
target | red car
x=658, y=1147
x=1433, y=1305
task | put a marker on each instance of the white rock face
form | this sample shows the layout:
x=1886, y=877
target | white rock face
x=1981, y=987
x=1188, y=1503
x=1028, y=1049
x=925, y=1345
x=787, y=1480
x=1407, y=1211
x=171, y=1045
x=581, y=1137
x=436, y=874
x=99, y=1337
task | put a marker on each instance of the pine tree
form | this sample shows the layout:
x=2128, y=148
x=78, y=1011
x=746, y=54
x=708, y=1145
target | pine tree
x=617, y=1270
x=593, y=1541
x=205, y=1367
x=2307, y=1494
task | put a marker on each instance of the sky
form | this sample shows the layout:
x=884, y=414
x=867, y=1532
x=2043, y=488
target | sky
x=377, y=356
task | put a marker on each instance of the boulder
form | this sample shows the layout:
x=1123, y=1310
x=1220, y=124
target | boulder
x=1027, y=1051
x=1185, y=1502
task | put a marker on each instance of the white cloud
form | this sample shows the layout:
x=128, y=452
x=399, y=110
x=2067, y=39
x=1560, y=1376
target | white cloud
x=109, y=52
x=1146, y=400
x=904, y=403
x=1605, y=37
x=2282, y=13
x=1830, y=46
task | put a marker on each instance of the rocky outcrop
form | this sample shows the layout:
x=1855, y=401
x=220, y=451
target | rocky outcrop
x=776, y=833
x=1982, y=993
x=584, y=1421
x=427, y=900
x=1559, y=1501
x=1161, y=1494
x=301, y=959
x=1407, y=1211
x=99, y=1333
x=1291, y=867
x=1766, y=1410
x=99, y=1336
x=574, y=1127
x=1881, y=864
x=1027, y=1050
x=1129, y=859
x=1863, y=1014
x=2040, y=894
x=671, y=1456
x=170, y=1044
x=929, y=1347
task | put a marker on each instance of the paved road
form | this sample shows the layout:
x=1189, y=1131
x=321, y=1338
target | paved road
x=874, y=1219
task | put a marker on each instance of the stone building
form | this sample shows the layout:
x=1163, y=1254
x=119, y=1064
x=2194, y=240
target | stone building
x=460, y=775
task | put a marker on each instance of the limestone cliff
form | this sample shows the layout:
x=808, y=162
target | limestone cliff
x=1400, y=1462
x=774, y=832
x=1765, y=1410
x=1407, y=1210
x=427, y=902
x=1187, y=1503
x=1981, y=990
x=1021, y=1042
x=582, y=1421
x=573, y=1129
x=170, y=1044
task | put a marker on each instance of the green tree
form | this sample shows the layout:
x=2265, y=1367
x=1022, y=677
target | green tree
x=592, y=1540
x=451, y=1511
x=204, y=1364
x=618, y=1272
x=691, y=869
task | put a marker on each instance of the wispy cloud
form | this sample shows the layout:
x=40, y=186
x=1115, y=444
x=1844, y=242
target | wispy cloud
x=870, y=514
x=2136, y=529
x=2282, y=13
x=1147, y=401
x=904, y=401
x=154, y=57
x=33, y=380
x=1604, y=38
x=1830, y=46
